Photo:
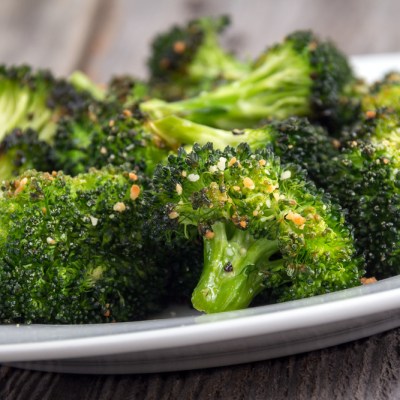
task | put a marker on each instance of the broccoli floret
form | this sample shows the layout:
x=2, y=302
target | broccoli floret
x=293, y=140
x=364, y=178
x=110, y=135
x=72, y=251
x=186, y=60
x=264, y=226
x=35, y=100
x=302, y=76
x=22, y=150
x=384, y=93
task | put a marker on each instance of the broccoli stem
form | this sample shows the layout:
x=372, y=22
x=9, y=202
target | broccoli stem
x=279, y=87
x=233, y=272
x=177, y=132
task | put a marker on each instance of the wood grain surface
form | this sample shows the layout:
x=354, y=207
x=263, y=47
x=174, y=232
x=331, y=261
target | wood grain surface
x=367, y=369
x=105, y=37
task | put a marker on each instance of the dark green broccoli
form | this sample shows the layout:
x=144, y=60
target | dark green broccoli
x=72, y=250
x=22, y=150
x=365, y=179
x=36, y=100
x=302, y=76
x=109, y=135
x=187, y=60
x=293, y=140
x=264, y=226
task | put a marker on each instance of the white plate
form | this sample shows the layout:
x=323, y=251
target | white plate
x=199, y=341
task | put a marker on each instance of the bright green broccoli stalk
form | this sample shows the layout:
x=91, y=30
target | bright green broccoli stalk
x=189, y=59
x=35, y=100
x=300, y=77
x=263, y=226
x=365, y=179
x=82, y=82
x=72, y=251
x=22, y=150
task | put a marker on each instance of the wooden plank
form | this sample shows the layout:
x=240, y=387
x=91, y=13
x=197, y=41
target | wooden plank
x=46, y=34
x=357, y=26
x=368, y=369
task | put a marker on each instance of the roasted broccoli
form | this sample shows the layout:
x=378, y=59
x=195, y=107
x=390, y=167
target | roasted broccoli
x=36, y=100
x=23, y=150
x=300, y=77
x=186, y=60
x=365, y=179
x=384, y=93
x=110, y=135
x=294, y=139
x=72, y=251
x=264, y=226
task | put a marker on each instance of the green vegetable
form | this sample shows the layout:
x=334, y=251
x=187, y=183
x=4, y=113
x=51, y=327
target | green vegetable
x=300, y=77
x=72, y=250
x=264, y=226
x=186, y=60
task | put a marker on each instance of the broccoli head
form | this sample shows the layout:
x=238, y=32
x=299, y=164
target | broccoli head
x=109, y=135
x=23, y=150
x=364, y=178
x=384, y=93
x=186, y=60
x=302, y=76
x=72, y=251
x=264, y=226
x=36, y=100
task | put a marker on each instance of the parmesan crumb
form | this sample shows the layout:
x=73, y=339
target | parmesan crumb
x=285, y=175
x=103, y=150
x=221, y=165
x=262, y=163
x=173, y=215
x=119, y=207
x=178, y=189
x=50, y=240
x=296, y=218
x=193, y=177
x=93, y=220
x=209, y=235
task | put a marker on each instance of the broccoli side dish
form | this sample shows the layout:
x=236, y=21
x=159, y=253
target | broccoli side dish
x=215, y=183
x=188, y=59
x=72, y=251
x=263, y=226
x=302, y=76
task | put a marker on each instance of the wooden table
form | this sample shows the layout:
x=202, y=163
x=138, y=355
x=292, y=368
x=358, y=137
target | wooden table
x=104, y=38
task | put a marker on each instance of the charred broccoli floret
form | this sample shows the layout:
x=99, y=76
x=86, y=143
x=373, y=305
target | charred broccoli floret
x=35, y=100
x=365, y=179
x=302, y=76
x=72, y=251
x=264, y=226
x=110, y=135
x=23, y=150
x=186, y=60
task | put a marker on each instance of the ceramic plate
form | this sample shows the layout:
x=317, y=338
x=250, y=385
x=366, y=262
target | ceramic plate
x=183, y=339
